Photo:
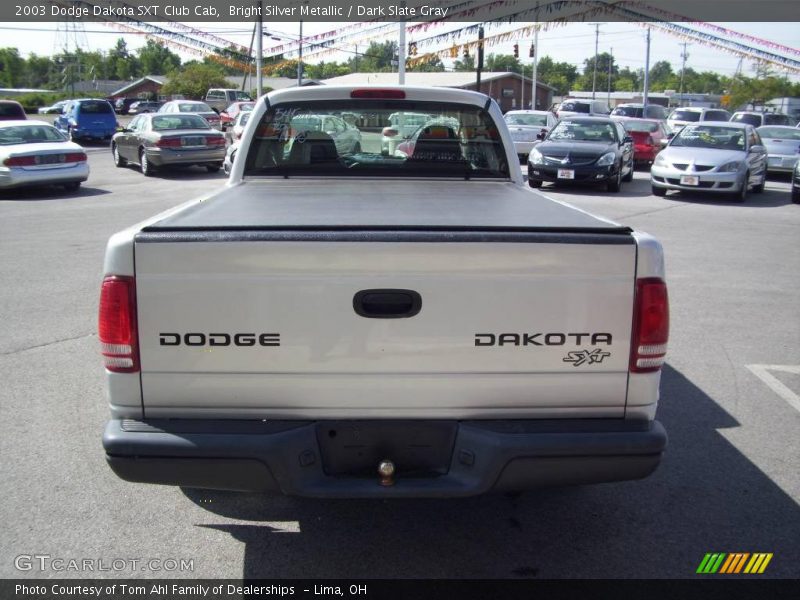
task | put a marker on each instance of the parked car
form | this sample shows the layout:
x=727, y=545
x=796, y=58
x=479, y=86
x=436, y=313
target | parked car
x=191, y=107
x=156, y=140
x=443, y=131
x=759, y=119
x=720, y=157
x=694, y=114
x=11, y=111
x=583, y=150
x=649, y=137
x=34, y=153
x=54, y=109
x=796, y=183
x=87, y=118
x=574, y=107
x=783, y=146
x=526, y=127
x=144, y=106
x=402, y=126
x=636, y=111
x=228, y=116
x=219, y=98
x=346, y=137
x=235, y=131
x=230, y=156
x=122, y=105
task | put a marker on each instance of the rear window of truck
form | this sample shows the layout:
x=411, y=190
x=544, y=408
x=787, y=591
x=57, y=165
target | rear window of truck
x=372, y=138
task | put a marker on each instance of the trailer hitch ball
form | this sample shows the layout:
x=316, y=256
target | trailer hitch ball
x=386, y=472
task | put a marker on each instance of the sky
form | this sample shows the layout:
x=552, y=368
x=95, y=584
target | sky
x=571, y=43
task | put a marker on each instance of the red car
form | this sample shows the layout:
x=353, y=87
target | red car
x=647, y=135
x=228, y=116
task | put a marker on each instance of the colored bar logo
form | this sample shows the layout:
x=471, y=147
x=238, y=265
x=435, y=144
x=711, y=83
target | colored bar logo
x=734, y=563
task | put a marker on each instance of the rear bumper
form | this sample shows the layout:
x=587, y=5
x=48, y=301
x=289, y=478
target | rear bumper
x=289, y=456
x=166, y=157
x=18, y=177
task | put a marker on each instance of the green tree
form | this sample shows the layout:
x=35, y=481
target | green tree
x=12, y=68
x=157, y=59
x=502, y=62
x=37, y=71
x=466, y=63
x=432, y=66
x=194, y=79
x=661, y=76
x=376, y=59
x=560, y=75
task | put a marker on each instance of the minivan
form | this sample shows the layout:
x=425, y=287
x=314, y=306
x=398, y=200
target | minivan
x=759, y=119
x=693, y=114
x=87, y=118
x=582, y=108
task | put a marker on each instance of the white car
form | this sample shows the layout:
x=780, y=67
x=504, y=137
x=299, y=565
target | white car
x=783, y=146
x=695, y=114
x=34, y=153
x=230, y=155
x=402, y=125
x=720, y=157
x=526, y=127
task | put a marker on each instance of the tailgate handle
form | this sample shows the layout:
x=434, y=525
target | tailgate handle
x=387, y=304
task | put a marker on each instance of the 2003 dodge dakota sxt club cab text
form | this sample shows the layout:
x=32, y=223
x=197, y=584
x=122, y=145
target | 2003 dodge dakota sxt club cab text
x=341, y=321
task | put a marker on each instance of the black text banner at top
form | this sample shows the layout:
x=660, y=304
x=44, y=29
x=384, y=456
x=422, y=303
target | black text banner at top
x=396, y=10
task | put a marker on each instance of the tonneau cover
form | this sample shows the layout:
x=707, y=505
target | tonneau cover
x=316, y=204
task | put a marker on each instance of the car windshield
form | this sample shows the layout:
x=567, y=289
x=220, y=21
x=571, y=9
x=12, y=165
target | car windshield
x=244, y=117
x=96, y=107
x=161, y=123
x=707, y=136
x=772, y=119
x=313, y=138
x=685, y=115
x=527, y=120
x=627, y=111
x=583, y=131
x=29, y=134
x=196, y=107
x=640, y=126
x=243, y=96
x=580, y=107
x=780, y=133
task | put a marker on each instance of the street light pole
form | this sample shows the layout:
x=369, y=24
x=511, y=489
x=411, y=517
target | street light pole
x=594, y=76
x=300, y=58
x=646, y=91
x=259, y=50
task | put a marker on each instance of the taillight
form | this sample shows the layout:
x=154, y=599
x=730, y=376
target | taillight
x=20, y=161
x=75, y=157
x=650, y=326
x=215, y=141
x=389, y=132
x=379, y=94
x=169, y=143
x=116, y=327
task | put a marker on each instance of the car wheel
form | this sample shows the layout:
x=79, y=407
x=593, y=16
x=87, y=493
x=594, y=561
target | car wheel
x=615, y=185
x=214, y=167
x=72, y=186
x=757, y=189
x=147, y=168
x=740, y=195
x=118, y=160
x=534, y=183
x=658, y=191
x=629, y=176
x=796, y=196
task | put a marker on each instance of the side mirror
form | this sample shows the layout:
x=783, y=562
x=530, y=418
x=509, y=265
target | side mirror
x=541, y=135
x=627, y=140
x=757, y=149
x=670, y=135
x=663, y=142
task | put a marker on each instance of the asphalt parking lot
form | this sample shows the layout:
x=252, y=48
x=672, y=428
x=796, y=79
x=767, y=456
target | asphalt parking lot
x=729, y=482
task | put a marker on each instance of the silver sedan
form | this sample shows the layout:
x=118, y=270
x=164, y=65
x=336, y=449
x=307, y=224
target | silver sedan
x=34, y=153
x=783, y=146
x=719, y=157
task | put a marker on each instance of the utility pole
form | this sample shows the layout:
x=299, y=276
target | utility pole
x=259, y=51
x=646, y=90
x=535, y=55
x=480, y=56
x=300, y=58
x=610, y=60
x=684, y=56
x=596, y=40
x=401, y=54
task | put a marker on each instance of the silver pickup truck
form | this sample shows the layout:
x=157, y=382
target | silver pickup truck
x=339, y=322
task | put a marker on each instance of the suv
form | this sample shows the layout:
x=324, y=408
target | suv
x=123, y=104
x=692, y=114
x=87, y=118
x=636, y=110
x=582, y=108
x=758, y=119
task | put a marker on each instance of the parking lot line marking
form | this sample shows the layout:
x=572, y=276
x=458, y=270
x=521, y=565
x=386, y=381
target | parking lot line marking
x=763, y=373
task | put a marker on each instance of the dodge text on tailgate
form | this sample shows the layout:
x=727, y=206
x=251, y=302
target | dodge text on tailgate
x=343, y=320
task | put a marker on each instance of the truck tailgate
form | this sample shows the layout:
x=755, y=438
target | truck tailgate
x=257, y=319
